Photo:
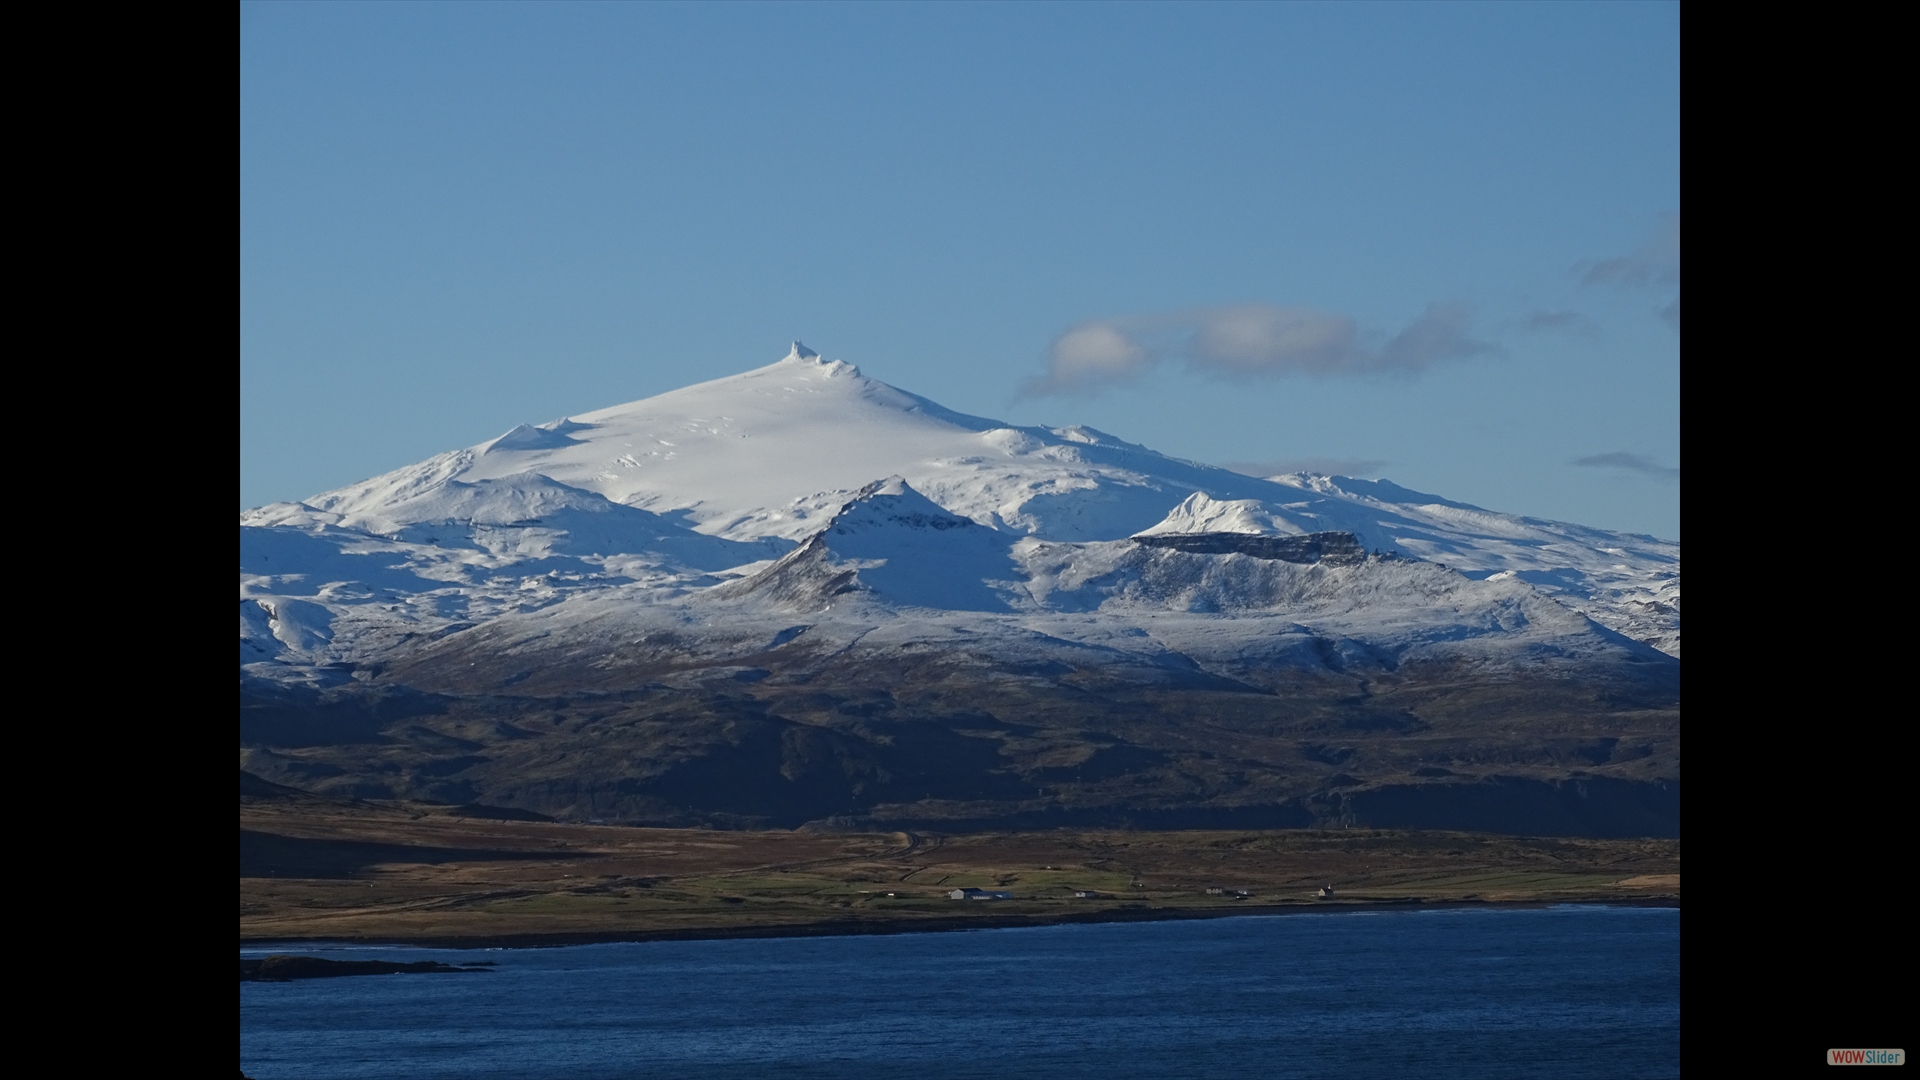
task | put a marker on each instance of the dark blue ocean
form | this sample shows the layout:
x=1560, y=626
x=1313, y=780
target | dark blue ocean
x=1575, y=991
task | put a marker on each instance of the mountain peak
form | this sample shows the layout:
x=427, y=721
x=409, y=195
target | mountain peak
x=527, y=437
x=892, y=485
x=893, y=544
x=1203, y=514
x=800, y=354
x=790, y=451
x=893, y=503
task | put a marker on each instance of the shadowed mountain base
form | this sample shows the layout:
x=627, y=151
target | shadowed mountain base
x=942, y=741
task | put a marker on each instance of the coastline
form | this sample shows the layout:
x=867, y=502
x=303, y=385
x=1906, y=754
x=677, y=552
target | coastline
x=315, y=871
x=931, y=924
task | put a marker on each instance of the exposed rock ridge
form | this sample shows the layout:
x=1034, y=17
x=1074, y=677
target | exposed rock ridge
x=1333, y=548
x=807, y=579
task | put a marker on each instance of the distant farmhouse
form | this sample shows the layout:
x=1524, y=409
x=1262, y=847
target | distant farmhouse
x=978, y=894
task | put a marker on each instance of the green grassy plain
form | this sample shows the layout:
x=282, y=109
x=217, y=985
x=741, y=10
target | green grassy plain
x=331, y=869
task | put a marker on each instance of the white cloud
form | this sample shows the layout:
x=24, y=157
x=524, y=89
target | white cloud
x=1247, y=341
x=1092, y=353
x=1257, y=339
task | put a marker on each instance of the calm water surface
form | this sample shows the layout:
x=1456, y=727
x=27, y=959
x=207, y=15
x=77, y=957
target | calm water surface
x=1567, y=992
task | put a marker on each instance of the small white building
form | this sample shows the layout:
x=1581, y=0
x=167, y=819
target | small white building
x=978, y=894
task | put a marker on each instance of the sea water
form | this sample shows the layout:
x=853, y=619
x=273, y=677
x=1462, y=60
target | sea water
x=1572, y=991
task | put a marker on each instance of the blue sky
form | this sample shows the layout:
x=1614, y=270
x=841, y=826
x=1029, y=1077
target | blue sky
x=1432, y=242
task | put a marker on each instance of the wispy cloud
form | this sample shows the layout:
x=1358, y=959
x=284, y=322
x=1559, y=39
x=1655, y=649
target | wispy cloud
x=1248, y=341
x=1655, y=264
x=1571, y=322
x=1620, y=459
x=1325, y=466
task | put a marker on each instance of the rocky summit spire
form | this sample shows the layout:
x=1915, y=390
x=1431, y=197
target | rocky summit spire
x=801, y=352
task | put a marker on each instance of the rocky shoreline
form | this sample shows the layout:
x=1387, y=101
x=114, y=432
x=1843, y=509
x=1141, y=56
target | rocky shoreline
x=928, y=925
x=279, y=968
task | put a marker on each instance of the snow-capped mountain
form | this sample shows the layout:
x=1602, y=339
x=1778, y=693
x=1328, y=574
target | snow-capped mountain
x=801, y=595
x=804, y=461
